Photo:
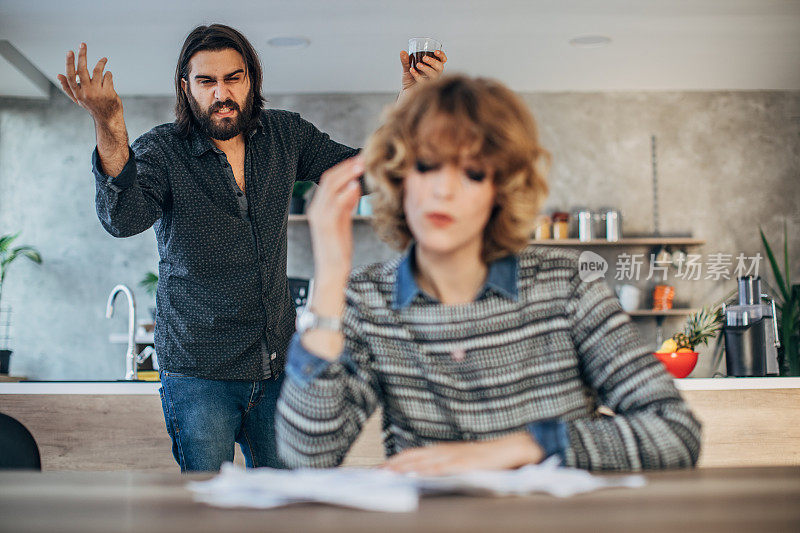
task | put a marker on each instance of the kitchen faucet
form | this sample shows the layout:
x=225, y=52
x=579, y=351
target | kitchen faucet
x=132, y=360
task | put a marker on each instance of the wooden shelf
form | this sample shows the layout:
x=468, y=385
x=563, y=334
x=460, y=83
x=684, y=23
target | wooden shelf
x=302, y=218
x=628, y=241
x=668, y=312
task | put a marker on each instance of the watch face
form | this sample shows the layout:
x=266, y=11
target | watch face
x=300, y=320
x=305, y=321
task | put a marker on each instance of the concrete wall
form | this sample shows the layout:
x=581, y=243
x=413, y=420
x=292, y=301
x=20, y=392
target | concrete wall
x=728, y=162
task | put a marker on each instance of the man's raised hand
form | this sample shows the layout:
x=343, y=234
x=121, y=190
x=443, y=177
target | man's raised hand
x=94, y=92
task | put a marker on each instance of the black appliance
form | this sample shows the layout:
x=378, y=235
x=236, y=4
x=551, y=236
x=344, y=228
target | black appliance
x=751, y=332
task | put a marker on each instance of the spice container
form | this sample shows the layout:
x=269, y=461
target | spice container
x=613, y=220
x=542, y=228
x=560, y=225
x=662, y=297
x=585, y=225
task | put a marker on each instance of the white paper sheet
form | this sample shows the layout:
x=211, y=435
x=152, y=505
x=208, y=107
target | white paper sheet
x=381, y=490
x=547, y=477
x=372, y=489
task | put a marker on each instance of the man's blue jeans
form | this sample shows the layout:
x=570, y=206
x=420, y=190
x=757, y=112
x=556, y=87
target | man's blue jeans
x=205, y=418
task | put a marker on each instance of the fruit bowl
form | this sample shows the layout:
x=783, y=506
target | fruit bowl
x=679, y=364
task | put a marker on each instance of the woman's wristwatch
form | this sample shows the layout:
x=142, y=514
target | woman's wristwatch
x=307, y=320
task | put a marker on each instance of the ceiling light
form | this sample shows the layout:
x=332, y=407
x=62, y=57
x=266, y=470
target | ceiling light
x=590, y=41
x=289, y=42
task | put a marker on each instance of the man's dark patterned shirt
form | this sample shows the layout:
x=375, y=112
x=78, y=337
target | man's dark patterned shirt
x=223, y=309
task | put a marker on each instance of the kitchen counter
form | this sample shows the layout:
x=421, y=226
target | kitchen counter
x=119, y=425
x=688, y=384
x=149, y=387
x=82, y=387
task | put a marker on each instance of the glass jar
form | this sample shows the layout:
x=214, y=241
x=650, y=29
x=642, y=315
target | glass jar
x=542, y=228
x=560, y=225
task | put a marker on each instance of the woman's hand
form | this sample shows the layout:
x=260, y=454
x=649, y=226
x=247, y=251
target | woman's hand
x=505, y=453
x=330, y=219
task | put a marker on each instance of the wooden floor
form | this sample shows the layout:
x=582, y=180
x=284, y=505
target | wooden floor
x=89, y=432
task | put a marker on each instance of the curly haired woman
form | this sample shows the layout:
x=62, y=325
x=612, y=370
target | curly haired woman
x=482, y=351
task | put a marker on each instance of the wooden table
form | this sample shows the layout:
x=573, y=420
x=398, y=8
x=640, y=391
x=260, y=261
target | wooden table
x=708, y=500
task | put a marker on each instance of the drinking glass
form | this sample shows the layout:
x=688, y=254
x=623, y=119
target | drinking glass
x=419, y=47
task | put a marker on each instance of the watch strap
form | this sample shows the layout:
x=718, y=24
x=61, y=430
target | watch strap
x=310, y=320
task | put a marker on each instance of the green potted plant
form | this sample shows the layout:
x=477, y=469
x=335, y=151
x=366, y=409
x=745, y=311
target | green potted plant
x=297, y=205
x=787, y=304
x=8, y=255
x=150, y=284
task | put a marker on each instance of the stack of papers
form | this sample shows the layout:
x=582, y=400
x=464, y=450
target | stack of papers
x=264, y=488
x=381, y=490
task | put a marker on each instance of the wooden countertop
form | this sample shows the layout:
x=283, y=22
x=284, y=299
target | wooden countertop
x=120, y=426
x=144, y=387
x=707, y=500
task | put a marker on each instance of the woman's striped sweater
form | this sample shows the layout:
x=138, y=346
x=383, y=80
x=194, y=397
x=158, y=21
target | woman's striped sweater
x=556, y=348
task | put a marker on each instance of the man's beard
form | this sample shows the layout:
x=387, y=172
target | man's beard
x=228, y=127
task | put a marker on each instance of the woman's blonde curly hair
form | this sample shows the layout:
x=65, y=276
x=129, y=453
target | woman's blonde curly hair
x=453, y=116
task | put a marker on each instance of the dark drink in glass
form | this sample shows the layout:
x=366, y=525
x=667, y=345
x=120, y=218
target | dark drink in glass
x=419, y=47
x=416, y=57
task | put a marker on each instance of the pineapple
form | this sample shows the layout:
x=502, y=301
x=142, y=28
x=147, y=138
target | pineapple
x=681, y=341
x=700, y=327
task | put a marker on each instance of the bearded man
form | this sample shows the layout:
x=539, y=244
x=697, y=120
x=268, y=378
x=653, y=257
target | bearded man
x=215, y=185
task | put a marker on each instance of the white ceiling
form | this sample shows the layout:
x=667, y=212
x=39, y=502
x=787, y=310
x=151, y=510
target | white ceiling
x=15, y=84
x=656, y=44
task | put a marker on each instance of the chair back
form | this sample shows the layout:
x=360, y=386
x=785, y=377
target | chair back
x=18, y=449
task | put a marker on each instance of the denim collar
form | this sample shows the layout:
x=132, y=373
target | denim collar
x=200, y=143
x=502, y=278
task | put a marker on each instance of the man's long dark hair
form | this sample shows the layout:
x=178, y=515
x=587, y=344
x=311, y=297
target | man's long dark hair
x=216, y=37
